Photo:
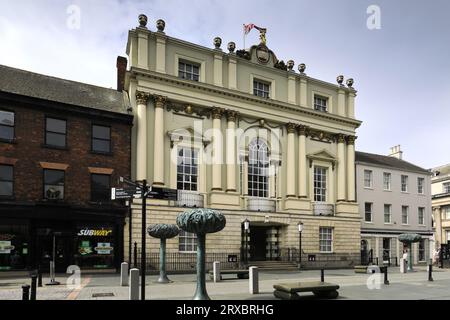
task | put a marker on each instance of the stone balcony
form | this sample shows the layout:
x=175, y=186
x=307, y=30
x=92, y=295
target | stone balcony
x=190, y=199
x=261, y=204
x=323, y=209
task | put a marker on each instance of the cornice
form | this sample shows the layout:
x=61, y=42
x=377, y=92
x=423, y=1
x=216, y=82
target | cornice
x=242, y=96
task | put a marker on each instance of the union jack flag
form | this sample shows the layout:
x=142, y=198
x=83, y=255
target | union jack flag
x=249, y=27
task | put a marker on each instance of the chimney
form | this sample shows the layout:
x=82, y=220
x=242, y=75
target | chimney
x=121, y=70
x=396, y=152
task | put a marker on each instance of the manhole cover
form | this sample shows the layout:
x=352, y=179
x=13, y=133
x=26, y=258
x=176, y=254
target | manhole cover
x=104, y=294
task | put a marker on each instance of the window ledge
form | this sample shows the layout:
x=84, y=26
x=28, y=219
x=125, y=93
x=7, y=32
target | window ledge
x=10, y=141
x=7, y=198
x=370, y=222
x=387, y=190
x=368, y=188
x=109, y=154
x=48, y=146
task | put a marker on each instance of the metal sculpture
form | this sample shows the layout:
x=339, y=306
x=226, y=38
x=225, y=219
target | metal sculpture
x=408, y=239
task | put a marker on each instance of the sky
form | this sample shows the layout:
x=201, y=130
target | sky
x=401, y=69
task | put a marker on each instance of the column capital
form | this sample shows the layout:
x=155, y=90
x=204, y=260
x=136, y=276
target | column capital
x=351, y=140
x=160, y=101
x=302, y=130
x=142, y=97
x=291, y=127
x=340, y=138
x=217, y=113
x=232, y=115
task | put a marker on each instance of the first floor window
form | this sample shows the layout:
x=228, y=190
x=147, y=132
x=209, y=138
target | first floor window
x=187, y=169
x=53, y=184
x=404, y=180
x=6, y=180
x=387, y=213
x=422, y=250
x=6, y=125
x=368, y=211
x=100, y=187
x=187, y=242
x=386, y=249
x=258, y=169
x=420, y=183
x=101, y=138
x=320, y=184
x=405, y=210
x=421, y=216
x=326, y=239
x=367, y=179
x=386, y=181
x=55, y=132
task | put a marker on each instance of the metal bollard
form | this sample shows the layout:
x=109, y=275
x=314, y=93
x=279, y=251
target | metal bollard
x=322, y=275
x=430, y=271
x=216, y=271
x=253, y=280
x=135, y=255
x=134, y=284
x=33, y=286
x=25, y=292
x=39, y=277
x=124, y=274
x=386, y=281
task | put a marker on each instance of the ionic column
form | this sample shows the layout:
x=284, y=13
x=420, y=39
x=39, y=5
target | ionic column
x=217, y=149
x=341, y=168
x=158, y=147
x=351, y=168
x=231, y=150
x=290, y=180
x=141, y=136
x=302, y=161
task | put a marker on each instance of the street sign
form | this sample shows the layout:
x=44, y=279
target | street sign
x=163, y=194
x=125, y=193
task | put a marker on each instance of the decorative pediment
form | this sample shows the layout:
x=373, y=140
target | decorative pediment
x=188, y=109
x=261, y=54
x=186, y=134
x=322, y=155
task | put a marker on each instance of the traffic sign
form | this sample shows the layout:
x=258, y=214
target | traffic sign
x=163, y=193
x=125, y=193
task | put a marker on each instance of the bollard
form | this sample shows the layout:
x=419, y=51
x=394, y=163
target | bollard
x=322, y=275
x=135, y=255
x=386, y=281
x=253, y=280
x=430, y=271
x=33, y=286
x=403, y=266
x=25, y=292
x=134, y=284
x=39, y=277
x=216, y=271
x=124, y=274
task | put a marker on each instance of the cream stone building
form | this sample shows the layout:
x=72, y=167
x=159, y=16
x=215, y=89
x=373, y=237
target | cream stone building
x=244, y=133
x=440, y=191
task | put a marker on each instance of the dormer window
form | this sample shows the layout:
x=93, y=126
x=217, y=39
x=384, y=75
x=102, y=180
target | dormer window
x=261, y=89
x=188, y=71
x=320, y=103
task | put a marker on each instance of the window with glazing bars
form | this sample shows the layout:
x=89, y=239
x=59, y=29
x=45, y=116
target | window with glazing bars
x=320, y=103
x=188, y=71
x=405, y=218
x=187, y=169
x=7, y=125
x=187, y=242
x=258, y=169
x=326, y=239
x=320, y=184
x=261, y=89
x=386, y=181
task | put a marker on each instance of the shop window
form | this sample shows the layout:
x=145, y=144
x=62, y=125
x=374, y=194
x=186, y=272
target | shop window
x=14, y=245
x=100, y=187
x=53, y=184
x=95, y=247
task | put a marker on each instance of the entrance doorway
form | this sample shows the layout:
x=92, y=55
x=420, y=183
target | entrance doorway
x=264, y=243
x=49, y=241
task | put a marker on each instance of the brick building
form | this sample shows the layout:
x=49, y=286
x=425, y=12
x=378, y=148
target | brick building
x=63, y=145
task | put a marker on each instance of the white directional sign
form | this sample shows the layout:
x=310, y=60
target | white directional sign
x=125, y=193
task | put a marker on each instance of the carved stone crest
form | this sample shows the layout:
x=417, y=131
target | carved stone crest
x=262, y=53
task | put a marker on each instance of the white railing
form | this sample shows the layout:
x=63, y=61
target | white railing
x=190, y=199
x=261, y=204
x=323, y=209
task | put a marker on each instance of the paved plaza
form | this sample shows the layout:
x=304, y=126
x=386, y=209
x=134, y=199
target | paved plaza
x=411, y=286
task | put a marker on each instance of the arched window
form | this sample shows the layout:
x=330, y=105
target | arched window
x=258, y=169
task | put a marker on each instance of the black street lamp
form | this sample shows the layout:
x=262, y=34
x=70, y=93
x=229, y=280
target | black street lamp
x=246, y=229
x=300, y=229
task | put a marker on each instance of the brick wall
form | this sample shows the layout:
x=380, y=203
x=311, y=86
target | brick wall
x=28, y=149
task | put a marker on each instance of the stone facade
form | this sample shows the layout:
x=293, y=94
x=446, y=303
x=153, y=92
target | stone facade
x=440, y=190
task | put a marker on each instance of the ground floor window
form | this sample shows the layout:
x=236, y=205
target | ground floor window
x=14, y=246
x=422, y=250
x=326, y=239
x=187, y=242
x=386, y=249
x=95, y=247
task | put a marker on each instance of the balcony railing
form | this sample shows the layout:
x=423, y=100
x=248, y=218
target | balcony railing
x=323, y=209
x=261, y=204
x=190, y=199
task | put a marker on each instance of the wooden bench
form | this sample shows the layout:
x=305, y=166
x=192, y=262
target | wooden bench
x=289, y=291
x=241, y=274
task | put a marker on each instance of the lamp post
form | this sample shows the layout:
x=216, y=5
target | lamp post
x=300, y=229
x=246, y=228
